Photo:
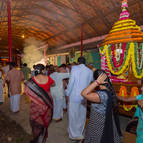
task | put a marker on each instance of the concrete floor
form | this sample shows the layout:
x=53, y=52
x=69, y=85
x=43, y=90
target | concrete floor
x=57, y=131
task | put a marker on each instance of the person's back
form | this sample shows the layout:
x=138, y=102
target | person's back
x=14, y=78
x=58, y=78
x=41, y=79
x=58, y=95
x=82, y=78
x=41, y=104
x=44, y=81
x=26, y=71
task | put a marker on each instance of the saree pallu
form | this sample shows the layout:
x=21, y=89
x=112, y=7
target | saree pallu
x=40, y=111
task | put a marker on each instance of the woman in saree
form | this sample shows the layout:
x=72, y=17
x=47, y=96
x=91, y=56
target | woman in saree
x=41, y=106
x=103, y=125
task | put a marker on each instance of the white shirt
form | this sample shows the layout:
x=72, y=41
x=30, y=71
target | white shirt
x=58, y=89
x=81, y=76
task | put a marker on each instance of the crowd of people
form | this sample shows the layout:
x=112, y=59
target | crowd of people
x=53, y=90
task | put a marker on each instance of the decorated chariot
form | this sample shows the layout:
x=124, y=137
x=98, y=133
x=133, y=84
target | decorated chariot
x=122, y=57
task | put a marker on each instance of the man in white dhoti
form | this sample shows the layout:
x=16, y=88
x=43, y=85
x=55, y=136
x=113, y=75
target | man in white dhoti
x=57, y=93
x=81, y=76
x=14, y=78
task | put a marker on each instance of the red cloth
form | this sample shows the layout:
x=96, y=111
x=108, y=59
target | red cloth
x=39, y=112
x=46, y=86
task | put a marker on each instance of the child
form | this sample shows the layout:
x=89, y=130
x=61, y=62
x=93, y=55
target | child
x=138, y=113
x=1, y=88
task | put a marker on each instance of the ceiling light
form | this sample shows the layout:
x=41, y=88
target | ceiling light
x=23, y=36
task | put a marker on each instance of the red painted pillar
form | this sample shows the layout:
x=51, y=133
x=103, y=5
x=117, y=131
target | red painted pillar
x=81, y=40
x=45, y=55
x=9, y=29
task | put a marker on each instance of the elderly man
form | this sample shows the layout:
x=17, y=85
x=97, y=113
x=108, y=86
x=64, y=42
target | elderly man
x=80, y=78
x=14, y=78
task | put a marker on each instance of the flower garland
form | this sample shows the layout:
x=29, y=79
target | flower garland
x=137, y=56
x=122, y=32
x=123, y=92
x=137, y=73
x=102, y=50
x=122, y=56
x=114, y=70
x=126, y=28
x=127, y=35
x=111, y=61
x=124, y=21
x=134, y=91
x=130, y=51
x=122, y=40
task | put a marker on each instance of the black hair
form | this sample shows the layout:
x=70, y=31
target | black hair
x=51, y=65
x=81, y=60
x=34, y=66
x=109, y=86
x=39, y=68
x=12, y=64
x=25, y=65
x=62, y=66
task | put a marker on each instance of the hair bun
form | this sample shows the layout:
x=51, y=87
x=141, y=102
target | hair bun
x=39, y=68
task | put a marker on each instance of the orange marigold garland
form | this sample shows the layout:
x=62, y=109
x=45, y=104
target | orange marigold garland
x=134, y=92
x=123, y=92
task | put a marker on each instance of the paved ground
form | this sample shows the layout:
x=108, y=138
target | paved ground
x=57, y=131
x=12, y=132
